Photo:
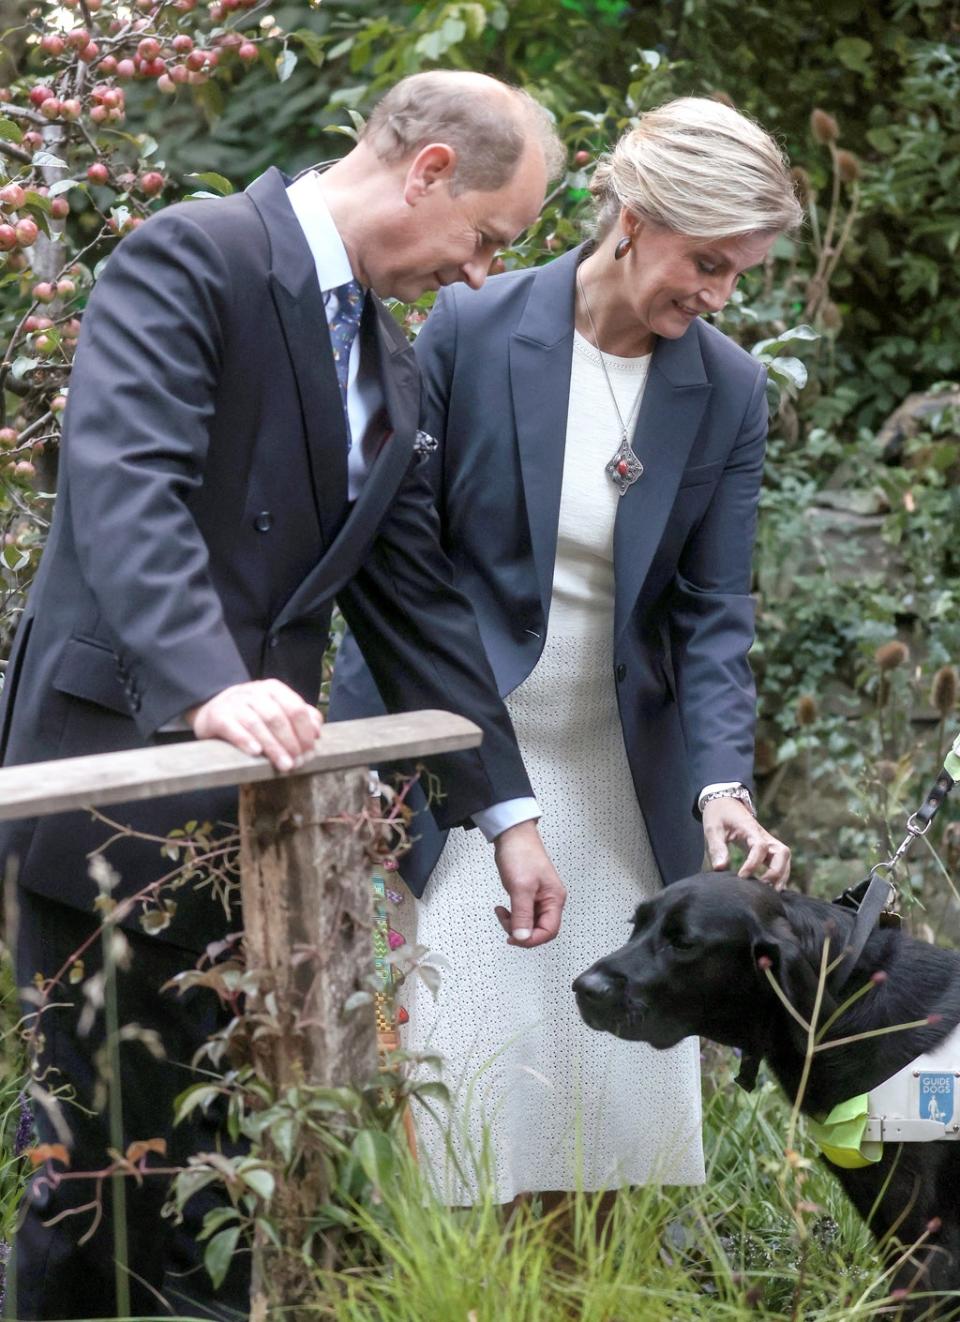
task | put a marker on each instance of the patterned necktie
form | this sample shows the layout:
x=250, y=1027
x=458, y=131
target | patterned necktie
x=344, y=325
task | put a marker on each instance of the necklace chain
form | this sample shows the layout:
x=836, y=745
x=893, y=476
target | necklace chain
x=624, y=426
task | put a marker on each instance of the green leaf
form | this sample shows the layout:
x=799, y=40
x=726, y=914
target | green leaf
x=222, y=186
x=432, y=1088
x=347, y=96
x=9, y=130
x=286, y=63
x=15, y=558
x=63, y=186
x=218, y=1254
x=375, y=1153
x=854, y=53
x=763, y=348
x=47, y=158
x=283, y=1134
x=430, y=45
x=312, y=43
x=215, y=1219
x=200, y=1094
x=791, y=369
x=259, y=1179
x=190, y=1182
x=340, y=48
x=21, y=366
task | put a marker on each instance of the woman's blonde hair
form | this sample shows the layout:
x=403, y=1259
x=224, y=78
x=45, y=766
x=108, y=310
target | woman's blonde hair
x=699, y=168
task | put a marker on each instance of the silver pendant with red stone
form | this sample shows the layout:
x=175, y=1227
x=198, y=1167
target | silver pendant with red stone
x=624, y=468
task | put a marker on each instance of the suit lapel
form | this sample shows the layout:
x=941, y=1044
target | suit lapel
x=541, y=349
x=300, y=309
x=400, y=381
x=670, y=415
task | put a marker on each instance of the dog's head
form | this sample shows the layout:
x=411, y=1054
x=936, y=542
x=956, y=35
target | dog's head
x=694, y=965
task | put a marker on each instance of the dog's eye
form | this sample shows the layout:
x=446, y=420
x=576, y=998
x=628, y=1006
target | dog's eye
x=680, y=941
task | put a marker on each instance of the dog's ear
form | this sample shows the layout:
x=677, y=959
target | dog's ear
x=796, y=968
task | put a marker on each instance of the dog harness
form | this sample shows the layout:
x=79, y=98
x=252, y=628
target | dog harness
x=918, y=1104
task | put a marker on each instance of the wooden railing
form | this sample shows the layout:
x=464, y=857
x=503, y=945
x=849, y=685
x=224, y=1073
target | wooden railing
x=305, y=881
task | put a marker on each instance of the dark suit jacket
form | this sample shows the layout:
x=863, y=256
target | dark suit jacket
x=202, y=528
x=496, y=369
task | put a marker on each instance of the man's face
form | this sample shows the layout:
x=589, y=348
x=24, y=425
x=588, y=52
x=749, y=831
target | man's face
x=442, y=239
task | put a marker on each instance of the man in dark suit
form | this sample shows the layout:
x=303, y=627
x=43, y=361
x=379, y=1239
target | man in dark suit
x=239, y=448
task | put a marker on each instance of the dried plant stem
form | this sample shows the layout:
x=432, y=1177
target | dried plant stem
x=118, y=1189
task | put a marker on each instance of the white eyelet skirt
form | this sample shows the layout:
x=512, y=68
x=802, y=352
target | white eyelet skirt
x=541, y=1102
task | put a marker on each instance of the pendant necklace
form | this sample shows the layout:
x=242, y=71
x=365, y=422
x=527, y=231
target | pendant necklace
x=624, y=468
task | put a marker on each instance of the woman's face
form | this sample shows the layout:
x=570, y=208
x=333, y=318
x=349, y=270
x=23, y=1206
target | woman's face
x=669, y=279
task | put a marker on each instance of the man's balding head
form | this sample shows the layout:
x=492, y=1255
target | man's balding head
x=487, y=123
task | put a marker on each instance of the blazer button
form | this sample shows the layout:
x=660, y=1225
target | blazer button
x=264, y=521
x=273, y=640
x=621, y=673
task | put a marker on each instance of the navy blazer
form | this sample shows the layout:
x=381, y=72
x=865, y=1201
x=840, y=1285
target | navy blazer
x=202, y=528
x=496, y=370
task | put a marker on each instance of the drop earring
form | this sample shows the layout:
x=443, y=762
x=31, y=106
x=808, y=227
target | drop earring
x=622, y=248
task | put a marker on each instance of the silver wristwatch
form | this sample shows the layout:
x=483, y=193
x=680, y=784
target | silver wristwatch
x=732, y=792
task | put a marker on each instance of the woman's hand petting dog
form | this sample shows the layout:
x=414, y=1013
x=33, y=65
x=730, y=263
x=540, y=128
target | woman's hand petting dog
x=728, y=821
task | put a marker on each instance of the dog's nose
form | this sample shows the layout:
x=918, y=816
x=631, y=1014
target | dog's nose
x=596, y=988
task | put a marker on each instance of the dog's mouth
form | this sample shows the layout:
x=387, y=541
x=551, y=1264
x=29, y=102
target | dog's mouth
x=625, y=1019
x=630, y=1018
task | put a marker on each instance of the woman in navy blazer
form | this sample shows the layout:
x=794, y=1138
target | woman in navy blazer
x=687, y=200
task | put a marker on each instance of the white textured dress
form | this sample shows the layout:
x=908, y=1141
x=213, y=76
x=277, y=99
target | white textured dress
x=561, y=1106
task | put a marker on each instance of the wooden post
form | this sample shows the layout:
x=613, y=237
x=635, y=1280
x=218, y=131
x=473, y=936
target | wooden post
x=308, y=920
x=308, y=916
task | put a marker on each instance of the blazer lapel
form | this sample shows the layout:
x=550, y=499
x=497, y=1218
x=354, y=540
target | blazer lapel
x=400, y=381
x=299, y=304
x=675, y=397
x=541, y=349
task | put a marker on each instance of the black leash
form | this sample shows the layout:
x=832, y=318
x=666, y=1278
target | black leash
x=872, y=898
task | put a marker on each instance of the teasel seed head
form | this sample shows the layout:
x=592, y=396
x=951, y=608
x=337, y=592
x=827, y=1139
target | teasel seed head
x=944, y=690
x=823, y=127
x=808, y=709
x=891, y=655
x=848, y=167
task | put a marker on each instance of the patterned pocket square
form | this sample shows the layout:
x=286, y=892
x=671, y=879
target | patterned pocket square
x=425, y=444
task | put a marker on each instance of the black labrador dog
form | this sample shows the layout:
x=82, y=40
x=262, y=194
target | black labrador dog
x=696, y=964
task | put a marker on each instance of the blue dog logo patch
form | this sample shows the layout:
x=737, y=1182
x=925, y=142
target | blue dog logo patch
x=936, y=1097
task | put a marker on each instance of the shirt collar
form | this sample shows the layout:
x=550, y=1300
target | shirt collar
x=326, y=246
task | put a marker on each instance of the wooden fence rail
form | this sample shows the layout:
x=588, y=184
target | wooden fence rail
x=305, y=884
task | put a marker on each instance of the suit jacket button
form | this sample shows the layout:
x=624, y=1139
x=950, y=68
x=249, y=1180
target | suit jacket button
x=264, y=521
x=135, y=702
x=621, y=673
x=273, y=640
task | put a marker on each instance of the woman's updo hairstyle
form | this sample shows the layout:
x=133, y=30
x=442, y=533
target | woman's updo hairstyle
x=699, y=168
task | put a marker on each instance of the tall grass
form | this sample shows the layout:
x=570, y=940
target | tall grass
x=723, y=1252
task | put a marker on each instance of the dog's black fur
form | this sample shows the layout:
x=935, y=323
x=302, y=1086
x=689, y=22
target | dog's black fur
x=693, y=966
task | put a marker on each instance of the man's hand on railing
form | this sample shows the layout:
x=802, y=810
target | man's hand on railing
x=537, y=895
x=262, y=717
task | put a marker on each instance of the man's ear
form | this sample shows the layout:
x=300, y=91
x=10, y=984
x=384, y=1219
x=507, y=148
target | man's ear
x=433, y=164
x=796, y=972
